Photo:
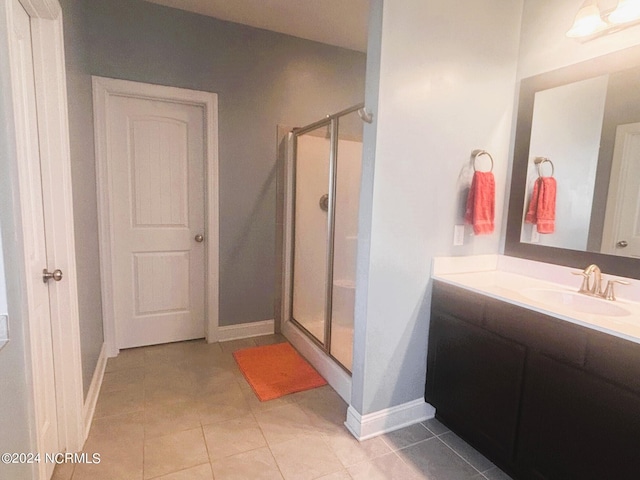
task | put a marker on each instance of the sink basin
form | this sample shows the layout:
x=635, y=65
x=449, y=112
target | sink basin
x=575, y=301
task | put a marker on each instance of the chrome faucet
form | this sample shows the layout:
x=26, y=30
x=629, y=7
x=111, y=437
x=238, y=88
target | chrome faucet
x=595, y=288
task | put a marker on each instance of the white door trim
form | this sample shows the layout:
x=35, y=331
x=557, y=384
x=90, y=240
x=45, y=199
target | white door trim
x=53, y=136
x=103, y=88
x=619, y=171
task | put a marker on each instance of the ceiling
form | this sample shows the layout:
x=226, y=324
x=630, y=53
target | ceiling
x=337, y=22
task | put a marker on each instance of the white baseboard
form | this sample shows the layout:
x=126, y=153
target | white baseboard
x=245, y=330
x=373, y=424
x=339, y=380
x=89, y=407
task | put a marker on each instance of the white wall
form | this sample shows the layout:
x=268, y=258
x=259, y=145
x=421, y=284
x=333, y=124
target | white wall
x=3, y=283
x=544, y=45
x=447, y=87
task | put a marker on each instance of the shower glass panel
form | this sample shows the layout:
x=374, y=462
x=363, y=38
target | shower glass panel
x=310, y=239
x=327, y=158
x=347, y=193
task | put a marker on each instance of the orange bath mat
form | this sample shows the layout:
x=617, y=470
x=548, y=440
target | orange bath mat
x=276, y=370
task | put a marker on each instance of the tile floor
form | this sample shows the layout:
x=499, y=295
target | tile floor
x=183, y=411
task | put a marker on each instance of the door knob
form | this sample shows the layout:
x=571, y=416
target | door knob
x=622, y=244
x=199, y=238
x=324, y=202
x=56, y=275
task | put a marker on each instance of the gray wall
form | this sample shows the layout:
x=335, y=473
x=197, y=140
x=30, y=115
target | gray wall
x=16, y=408
x=84, y=188
x=262, y=79
x=447, y=71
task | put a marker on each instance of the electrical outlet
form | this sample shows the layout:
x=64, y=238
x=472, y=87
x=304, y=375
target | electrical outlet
x=458, y=235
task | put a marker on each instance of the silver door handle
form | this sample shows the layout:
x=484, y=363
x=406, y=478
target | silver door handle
x=199, y=238
x=47, y=275
x=622, y=244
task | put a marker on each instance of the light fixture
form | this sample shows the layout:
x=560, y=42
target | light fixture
x=626, y=11
x=592, y=22
x=587, y=22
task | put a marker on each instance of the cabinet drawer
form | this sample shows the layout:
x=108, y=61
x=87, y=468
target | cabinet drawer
x=458, y=302
x=556, y=338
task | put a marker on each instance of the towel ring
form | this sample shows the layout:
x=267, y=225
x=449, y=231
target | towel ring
x=479, y=153
x=541, y=160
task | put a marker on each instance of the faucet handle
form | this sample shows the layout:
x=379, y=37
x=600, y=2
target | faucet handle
x=609, y=294
x=585, y=287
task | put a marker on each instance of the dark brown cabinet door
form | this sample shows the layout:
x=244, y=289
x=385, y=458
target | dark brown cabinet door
x=474, y=381
x=576, y=426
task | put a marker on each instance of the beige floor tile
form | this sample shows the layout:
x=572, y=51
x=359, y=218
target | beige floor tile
x=233, y=345
x=341, y=475
x=305, y=458
x=162, y=419
x=221, y=394
x=284, y=423
x=129, y=358
x=211, y=413
x=121, y=455
x=232, y=437
x=407, y=436
x=351, y=451
x=174, y=452
x=122, y=379
x=255, y=465
x=386, y=467
x=172, y=390
x=128, y=427
x=213, y=377
x=63, y=471
x=201, y=472
x=327, y=412
x=269, y=339
x=120, y=402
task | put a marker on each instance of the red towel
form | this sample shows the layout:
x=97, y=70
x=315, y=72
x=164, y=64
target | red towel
x=542, y=207
x=481, y=203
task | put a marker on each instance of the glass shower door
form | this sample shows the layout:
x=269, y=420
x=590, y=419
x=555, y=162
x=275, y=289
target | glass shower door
x=326, y=189
x=311, y=230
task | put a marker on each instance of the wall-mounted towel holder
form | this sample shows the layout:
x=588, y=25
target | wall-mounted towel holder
x=479, y=153
x=539, y=161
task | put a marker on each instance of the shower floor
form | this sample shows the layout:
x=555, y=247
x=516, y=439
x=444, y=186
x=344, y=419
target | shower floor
x=341, y=340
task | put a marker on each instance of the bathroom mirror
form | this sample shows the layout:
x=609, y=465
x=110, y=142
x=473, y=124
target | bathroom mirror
x=585, y=118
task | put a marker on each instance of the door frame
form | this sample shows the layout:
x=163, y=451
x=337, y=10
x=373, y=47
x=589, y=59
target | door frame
x=619, y=168
x=55, y=160
x=103, y=89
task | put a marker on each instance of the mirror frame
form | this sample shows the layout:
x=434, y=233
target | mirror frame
x=611, y=264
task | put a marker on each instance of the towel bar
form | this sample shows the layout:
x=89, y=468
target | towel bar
x=539, y=161
x=479, y=153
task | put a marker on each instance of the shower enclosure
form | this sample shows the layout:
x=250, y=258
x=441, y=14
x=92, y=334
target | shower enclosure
x=323, y=190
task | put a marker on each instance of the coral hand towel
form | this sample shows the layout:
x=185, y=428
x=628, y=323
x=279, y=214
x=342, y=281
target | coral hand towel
x=481, y=203
x=542, y=208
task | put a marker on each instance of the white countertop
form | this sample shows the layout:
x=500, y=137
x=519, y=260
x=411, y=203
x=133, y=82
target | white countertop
x=509, y=279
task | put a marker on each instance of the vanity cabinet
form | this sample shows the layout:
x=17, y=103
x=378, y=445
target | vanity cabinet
x=541, y=397
x=474, y=379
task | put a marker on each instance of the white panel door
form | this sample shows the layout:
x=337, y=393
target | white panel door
x=156, y=165
x=28, y=154
x=622, y=223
